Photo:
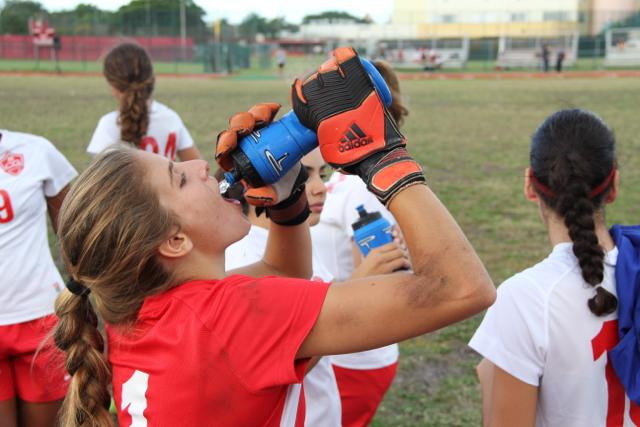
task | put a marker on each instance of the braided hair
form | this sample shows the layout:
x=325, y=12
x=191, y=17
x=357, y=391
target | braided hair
x=128, y=69
x=573, y=161
x=109, y=251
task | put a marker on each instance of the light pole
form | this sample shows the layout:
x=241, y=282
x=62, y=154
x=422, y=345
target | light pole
x=183, y=29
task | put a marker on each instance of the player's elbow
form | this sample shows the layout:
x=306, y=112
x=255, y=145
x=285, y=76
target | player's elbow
x=485, y=293
x=478, y=293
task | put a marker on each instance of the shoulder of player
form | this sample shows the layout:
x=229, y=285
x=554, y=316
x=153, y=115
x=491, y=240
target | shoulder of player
x=160, y=109
x=539, y=280
x=191, y=297
x=19, y=140
x=109, y=119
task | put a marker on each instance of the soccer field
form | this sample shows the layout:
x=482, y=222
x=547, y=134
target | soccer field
x=473, y=139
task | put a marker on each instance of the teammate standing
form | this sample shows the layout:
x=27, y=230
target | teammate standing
x=320, y=387
x=34, y=178
x=322, y=400
x=190, y=344
x=548, y=341
x=140, y=120
x=363, y=378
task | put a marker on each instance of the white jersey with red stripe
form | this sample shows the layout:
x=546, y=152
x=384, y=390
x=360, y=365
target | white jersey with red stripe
x=216, y=353
x=166, y=135
x=333, y=239
x=541, y=331
x=322, y=399
x=31, y=169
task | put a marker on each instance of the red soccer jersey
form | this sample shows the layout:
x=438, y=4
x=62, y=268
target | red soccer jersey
x=218, y=352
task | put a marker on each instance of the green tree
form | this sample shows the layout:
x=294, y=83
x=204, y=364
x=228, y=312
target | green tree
x=14, y=17
x=159, y=18
x=254, y=24
x=332, y=16
x=84, y=19
x=276, y=25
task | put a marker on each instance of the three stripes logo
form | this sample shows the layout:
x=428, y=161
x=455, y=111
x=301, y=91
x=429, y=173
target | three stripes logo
x=354, y=137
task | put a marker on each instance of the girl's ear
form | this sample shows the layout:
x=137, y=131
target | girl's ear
x=529, y=192
x=176, y=246
x=613, y=191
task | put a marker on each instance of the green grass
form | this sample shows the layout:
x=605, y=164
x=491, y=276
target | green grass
x=296, y=65
x=473, y=138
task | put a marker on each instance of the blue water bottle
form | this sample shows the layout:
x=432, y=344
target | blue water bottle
x=265, y=155
x=371, y=230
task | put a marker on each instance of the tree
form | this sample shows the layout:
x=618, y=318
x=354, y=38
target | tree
x=14, y=17
x=277, y=25
x=254, y=24
x=332, y=16
x=159, y=18
x=84, y=19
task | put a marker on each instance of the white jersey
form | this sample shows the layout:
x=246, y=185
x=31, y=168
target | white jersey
x=323, y=407
x=166, y=134
x=541, y=331
x=333, y=238
x=30, y=169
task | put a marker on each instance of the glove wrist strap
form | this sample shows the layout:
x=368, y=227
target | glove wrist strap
x=387, y=173
x=292, y=211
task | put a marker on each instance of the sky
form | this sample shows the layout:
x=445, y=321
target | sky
x=236, y=10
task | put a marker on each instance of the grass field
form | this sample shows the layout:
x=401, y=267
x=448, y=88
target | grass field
x=472, y=136
x=295, y=64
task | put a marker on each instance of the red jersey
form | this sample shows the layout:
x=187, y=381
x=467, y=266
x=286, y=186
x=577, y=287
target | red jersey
x=216, y=352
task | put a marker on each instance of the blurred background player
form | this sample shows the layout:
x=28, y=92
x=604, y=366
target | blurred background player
x=34, y=178
x=547, y=341
x=194, y=341
x=281, y=60
x=363, y=378
x=140, y=121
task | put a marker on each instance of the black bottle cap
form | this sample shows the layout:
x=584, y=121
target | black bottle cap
x=365, y=218
x=245, y=169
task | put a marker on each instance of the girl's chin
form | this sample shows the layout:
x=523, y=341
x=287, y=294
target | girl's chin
x=314, y=219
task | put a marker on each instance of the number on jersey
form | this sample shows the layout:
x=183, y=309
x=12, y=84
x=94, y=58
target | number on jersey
x=6, y=210
x=606, y=340
x=134, y=400
x=149, y=143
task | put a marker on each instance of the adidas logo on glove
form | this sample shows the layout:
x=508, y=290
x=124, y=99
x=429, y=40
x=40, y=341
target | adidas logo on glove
x=354, y=137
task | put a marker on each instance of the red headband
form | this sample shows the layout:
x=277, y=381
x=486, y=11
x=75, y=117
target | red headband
x=594, y=193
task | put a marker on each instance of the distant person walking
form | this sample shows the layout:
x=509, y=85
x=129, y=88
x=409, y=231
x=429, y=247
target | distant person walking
x=281, y=59
x=559, y=60
x=546, y=52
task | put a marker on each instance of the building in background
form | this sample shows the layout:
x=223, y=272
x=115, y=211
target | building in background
x=496, y=18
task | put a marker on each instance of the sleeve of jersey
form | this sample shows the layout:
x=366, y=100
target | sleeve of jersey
x=107, y=133
x=58, y=171
x=262, y=323
x=184, y=138
x=513, y=334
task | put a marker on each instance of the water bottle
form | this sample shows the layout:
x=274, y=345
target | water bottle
x=371, y=230
x=267, y=154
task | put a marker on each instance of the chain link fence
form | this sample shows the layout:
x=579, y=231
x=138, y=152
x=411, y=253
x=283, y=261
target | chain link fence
x=470, y=41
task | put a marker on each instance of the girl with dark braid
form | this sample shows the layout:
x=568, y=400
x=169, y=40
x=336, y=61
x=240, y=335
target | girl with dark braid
x=140, y=121
x=546, y=340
